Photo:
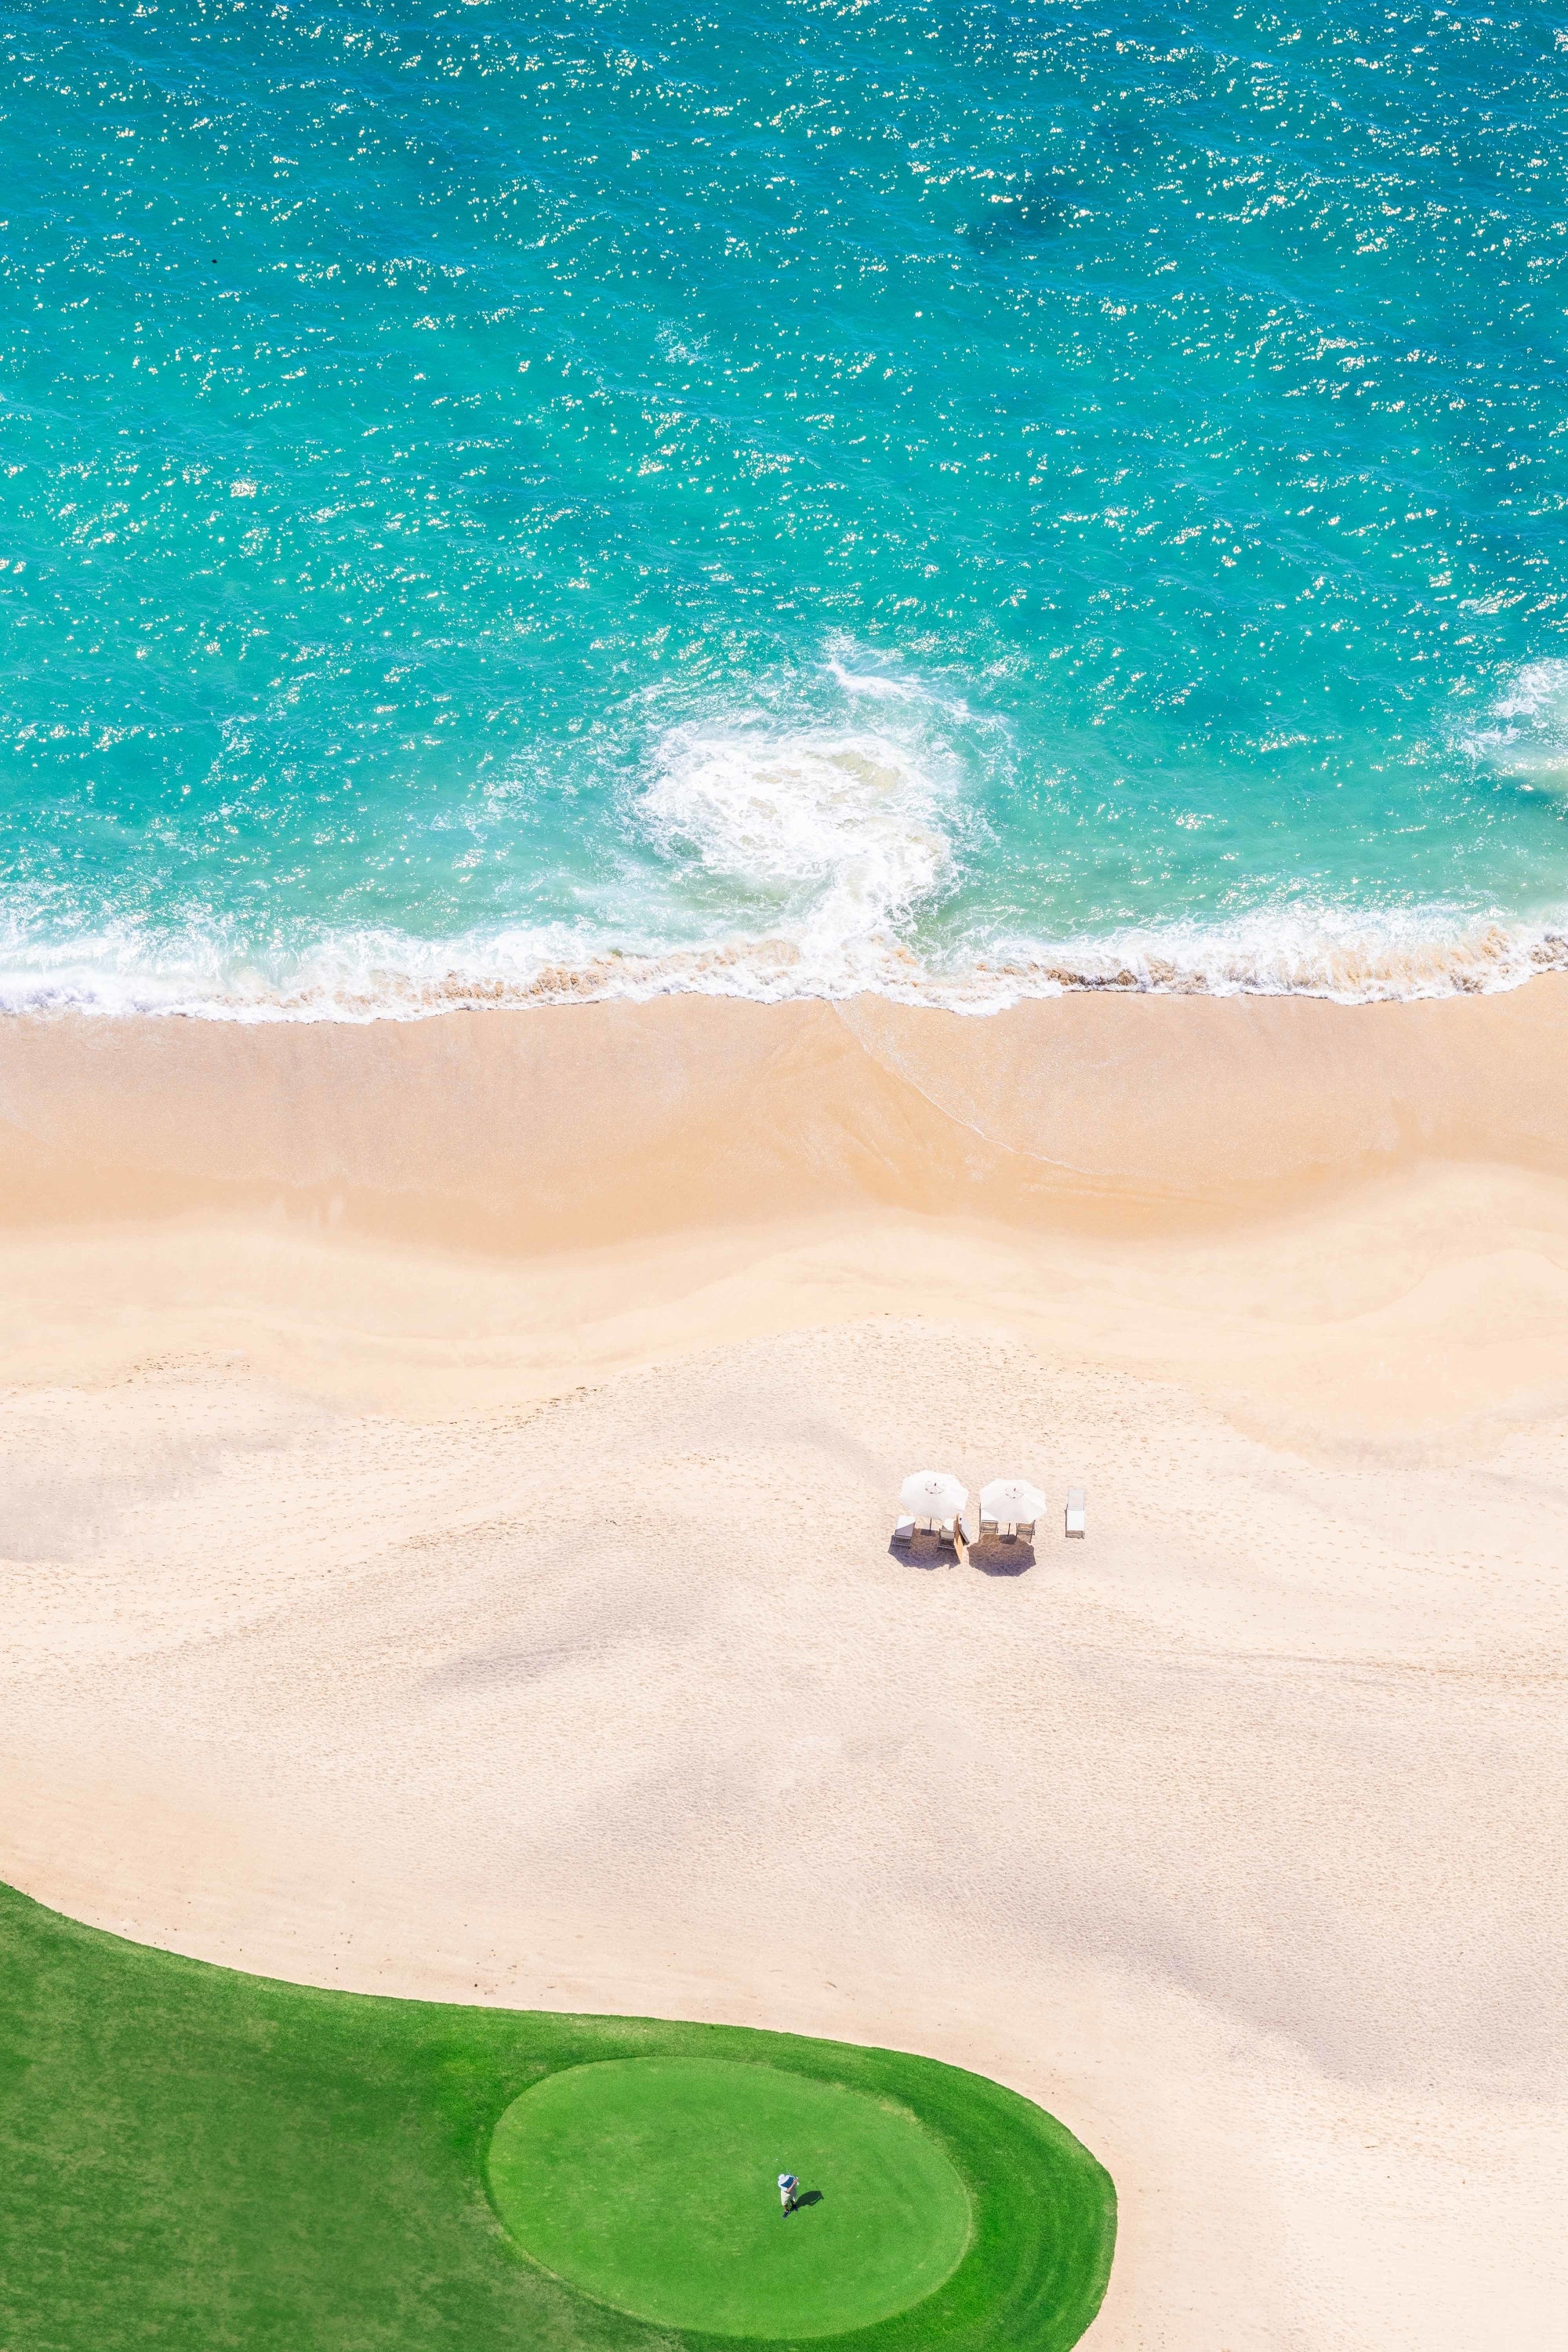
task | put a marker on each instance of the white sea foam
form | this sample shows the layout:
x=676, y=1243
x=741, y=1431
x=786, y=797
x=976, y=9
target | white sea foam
x=1528, y=736
x=1339, y=954
x=1350, y=954
x=793, y=861
x=875, y=685
x=832, y=841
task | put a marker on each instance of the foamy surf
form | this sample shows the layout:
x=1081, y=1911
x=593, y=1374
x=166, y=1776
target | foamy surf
x=1528, y=734
x=840, y=837
x=771, y=859
x=365, y=978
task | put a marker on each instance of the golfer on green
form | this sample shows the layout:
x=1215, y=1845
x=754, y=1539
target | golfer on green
x=788, y=2184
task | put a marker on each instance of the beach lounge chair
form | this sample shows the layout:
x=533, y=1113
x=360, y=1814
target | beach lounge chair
x=1010, y=1506
x=933, y=1502
x=1075, y=1511
x=959, y=1524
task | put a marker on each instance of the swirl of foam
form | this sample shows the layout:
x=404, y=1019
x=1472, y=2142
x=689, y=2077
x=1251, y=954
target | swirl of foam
x=1529, y=737
x=836, y=837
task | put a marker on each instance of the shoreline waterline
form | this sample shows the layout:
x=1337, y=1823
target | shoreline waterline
x=380, y=978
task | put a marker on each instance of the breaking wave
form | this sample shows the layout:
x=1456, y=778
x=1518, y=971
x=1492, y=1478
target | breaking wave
x=370, y=976
x=832, y=841
x=774, y=857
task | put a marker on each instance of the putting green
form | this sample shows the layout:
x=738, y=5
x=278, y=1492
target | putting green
x=651, y=2183
x=191, y=2158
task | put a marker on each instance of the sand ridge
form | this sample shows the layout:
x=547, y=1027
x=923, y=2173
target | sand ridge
x=1213, y=1832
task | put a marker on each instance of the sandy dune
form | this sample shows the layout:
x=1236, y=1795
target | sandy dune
x=520, y=1624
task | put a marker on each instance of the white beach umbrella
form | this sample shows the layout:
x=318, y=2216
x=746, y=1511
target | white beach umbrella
x=933, y=1495
x=1012, y=1503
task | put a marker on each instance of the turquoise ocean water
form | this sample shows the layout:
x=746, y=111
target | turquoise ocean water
x=779, y=498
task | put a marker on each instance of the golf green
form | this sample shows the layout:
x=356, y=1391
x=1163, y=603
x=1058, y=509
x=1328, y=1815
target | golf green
x=192, y=2159
x=651, y=2183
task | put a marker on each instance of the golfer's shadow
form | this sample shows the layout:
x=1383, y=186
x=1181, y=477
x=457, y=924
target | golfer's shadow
x=808, y=2197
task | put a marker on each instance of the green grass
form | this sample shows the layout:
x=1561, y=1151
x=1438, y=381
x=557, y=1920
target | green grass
x=192, y=2159
x=653, y=2183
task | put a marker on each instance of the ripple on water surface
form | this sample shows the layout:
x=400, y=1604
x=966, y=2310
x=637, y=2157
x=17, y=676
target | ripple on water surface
x=951, y=501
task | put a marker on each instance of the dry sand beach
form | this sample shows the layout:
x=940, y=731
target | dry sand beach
x=449, y=1471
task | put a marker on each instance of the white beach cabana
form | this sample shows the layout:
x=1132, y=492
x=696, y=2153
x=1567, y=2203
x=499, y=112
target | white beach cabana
x=932, y=1499
x=1011, y=1505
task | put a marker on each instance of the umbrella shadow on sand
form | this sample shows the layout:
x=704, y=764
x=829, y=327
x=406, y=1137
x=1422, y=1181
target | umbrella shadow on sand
x=922, y=1551
x=993, y=1557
